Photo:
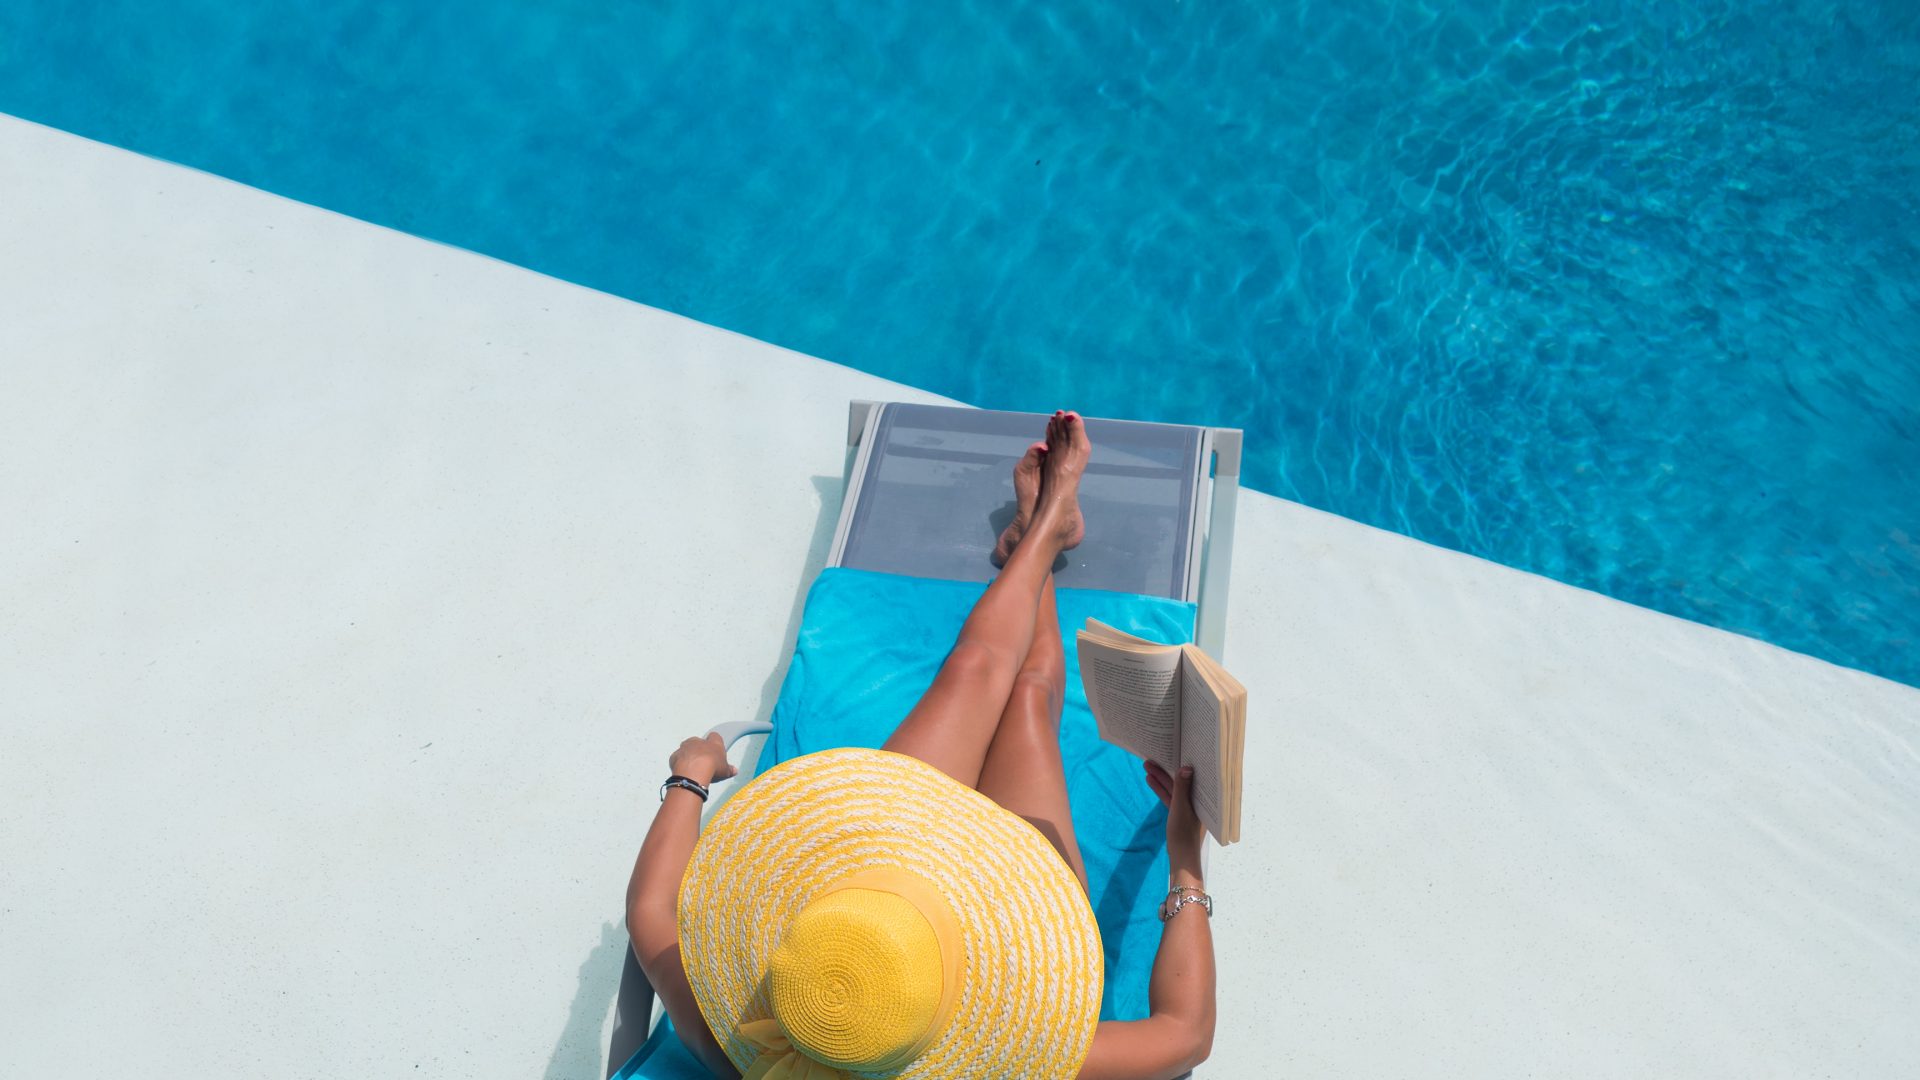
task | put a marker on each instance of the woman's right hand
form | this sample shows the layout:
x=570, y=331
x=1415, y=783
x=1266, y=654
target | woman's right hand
x=702, y=760
x=1185, y=833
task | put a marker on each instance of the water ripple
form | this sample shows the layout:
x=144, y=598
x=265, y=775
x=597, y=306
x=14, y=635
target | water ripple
x=1625, y=294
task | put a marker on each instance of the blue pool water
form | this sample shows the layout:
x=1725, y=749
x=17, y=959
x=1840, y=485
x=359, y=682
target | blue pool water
x=1625, y=294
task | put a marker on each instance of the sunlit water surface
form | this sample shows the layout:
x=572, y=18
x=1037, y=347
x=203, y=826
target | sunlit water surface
x=1628, y=295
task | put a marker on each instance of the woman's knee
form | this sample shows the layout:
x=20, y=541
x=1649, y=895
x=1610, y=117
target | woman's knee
x=977, y=662
x=1036, y=695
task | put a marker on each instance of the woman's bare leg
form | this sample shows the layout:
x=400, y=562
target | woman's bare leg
x=955, y=720
x=1023, y=771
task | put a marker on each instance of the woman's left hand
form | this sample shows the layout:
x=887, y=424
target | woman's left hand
x=1185, y=834
x=702, y=760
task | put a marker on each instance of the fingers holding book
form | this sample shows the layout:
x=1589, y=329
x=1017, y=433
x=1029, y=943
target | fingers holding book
x=1185, y=832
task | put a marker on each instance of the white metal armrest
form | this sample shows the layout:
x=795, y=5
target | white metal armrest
x=733, y=731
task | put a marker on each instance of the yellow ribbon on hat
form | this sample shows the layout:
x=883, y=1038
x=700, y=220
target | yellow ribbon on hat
x=778, y=1059
x=864, y=979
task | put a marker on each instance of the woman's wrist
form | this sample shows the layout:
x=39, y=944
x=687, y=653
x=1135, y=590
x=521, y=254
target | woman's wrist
x=1182, y=859
x=700, y=769
x=1186, y=876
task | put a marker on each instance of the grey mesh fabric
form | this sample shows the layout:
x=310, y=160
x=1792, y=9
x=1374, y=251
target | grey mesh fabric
x=937, y=490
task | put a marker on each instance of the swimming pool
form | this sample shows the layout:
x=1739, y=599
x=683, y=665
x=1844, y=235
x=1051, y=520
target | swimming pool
x=1627, y=295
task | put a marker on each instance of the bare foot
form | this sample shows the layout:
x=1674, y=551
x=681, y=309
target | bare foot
x=1058, y=512
x=1026, y=493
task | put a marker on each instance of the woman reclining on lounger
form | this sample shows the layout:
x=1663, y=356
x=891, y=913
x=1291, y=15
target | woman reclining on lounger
x=921, y=910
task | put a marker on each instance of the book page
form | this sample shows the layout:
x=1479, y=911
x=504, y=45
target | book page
x=1224, y=693
x=1134, y=697
x=1200, y=748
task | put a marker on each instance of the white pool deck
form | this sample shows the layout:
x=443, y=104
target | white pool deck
x=353, y=589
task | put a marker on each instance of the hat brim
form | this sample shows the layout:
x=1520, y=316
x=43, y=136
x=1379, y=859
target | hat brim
x=1029, y=995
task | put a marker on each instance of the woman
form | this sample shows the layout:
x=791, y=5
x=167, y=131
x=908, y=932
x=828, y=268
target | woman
x=942, y=946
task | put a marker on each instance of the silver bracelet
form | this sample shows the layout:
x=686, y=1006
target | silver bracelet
x=1180, y=896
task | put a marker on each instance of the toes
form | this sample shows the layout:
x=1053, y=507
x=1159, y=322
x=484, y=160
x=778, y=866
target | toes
x=1075, y=430
x=1026, y=471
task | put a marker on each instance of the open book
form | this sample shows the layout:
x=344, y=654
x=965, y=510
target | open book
x=1171, y=704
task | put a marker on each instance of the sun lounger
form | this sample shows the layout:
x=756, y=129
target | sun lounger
x=926, y=494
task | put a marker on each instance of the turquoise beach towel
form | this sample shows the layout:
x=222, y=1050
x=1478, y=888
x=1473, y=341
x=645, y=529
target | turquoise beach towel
x=870, y=645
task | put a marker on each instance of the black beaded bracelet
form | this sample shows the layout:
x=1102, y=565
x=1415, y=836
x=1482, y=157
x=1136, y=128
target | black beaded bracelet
x=678, y=781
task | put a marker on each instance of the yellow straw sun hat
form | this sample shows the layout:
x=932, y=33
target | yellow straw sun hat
x=859, y=913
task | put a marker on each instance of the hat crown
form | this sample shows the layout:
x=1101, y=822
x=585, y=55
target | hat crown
x=864, y=976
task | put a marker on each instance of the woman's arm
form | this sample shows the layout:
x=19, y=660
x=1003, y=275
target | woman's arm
x=653, y=897
x=1178, y=1033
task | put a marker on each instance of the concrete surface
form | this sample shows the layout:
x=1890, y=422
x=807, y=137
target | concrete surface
x=353, y=590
